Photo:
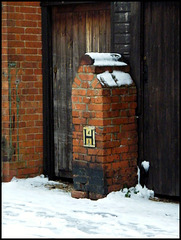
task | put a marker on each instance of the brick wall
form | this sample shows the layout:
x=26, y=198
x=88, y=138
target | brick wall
x=121, y=20
x=22, y=118
x=112, y=164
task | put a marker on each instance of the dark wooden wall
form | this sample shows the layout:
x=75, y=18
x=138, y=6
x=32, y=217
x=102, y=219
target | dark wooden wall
x=161, y=96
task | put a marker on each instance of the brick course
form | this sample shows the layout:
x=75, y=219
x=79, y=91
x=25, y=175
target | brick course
x=112, y=164
x=22, y=117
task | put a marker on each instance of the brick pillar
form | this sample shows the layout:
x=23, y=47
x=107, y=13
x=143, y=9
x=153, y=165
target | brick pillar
x=22, y=114
x=112, y=163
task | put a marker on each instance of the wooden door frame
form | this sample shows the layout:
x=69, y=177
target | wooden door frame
x=136, y=66
x=48, y=136
x=48, y=118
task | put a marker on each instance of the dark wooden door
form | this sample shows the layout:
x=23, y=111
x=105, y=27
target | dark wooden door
x=76, y=29
x=161, y=96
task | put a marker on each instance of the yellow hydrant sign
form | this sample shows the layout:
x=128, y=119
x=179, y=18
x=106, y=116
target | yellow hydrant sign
x=89, y=136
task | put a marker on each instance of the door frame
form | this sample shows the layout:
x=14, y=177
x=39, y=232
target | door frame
x=48, y=136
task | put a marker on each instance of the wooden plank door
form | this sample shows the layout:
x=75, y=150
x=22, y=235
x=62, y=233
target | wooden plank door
x=161, y=96
x=76, y=29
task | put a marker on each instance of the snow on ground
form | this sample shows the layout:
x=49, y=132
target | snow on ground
x=38, y=208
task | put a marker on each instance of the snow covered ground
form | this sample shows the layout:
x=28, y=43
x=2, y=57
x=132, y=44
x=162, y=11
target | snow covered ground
x=38, y=208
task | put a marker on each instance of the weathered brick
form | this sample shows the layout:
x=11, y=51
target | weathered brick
x=78, y=92
x=79, y=194
x=86, y=77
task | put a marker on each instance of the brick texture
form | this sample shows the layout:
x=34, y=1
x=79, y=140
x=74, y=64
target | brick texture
x=22, y=117
x=112, y=164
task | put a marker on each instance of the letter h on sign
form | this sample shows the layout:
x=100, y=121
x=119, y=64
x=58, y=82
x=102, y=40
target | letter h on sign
x=89, y=136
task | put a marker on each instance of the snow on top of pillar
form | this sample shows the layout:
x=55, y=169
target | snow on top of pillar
x=106, y=59
x=114, y=79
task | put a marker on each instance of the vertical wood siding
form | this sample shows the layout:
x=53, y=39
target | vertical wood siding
x=161, y=96
x=76, y=29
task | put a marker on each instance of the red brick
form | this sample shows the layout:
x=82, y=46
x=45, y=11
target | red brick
x=6, y=178
x=128, y=98
x=32, y=17
x=16, y=15
x=113, y=188
x=78, y=149
x=95, y=122
x=116, y=106
x=102, y=100
x=118, y=121
x=80, y=69
x=129, y=127
x=119, y=91
x=33, y=44
x=103, y=137
x=77, y=81
x=120, y=149
x=26, y=24
x=99, y=152
x=85, y=84
x=34, y=163
x=86, y=77
x=35, y=4
x=133, y=105
x=78, y=92
x=95, y=82
x=79, y=121
x=79, y=194
x=27, y=9
x=115, y=99
x=95, y=196
x=77, y=106
x=95, y=107
x=133, y=148
x=29, y=65
x=33, y=30
x=16, y=44
x=89, y=114
x=131, y=112
x=89, y=69
x=86, y=99
x=28, y=171
x=75, y=114
x=99, y=107
x=132, y=90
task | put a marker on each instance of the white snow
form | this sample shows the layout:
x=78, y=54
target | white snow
x=145, y=165
x=30, y=209
x=106, y=79
x=114, y=79
x=106, y=59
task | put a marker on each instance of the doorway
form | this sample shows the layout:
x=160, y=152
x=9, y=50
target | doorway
x=76, y=29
